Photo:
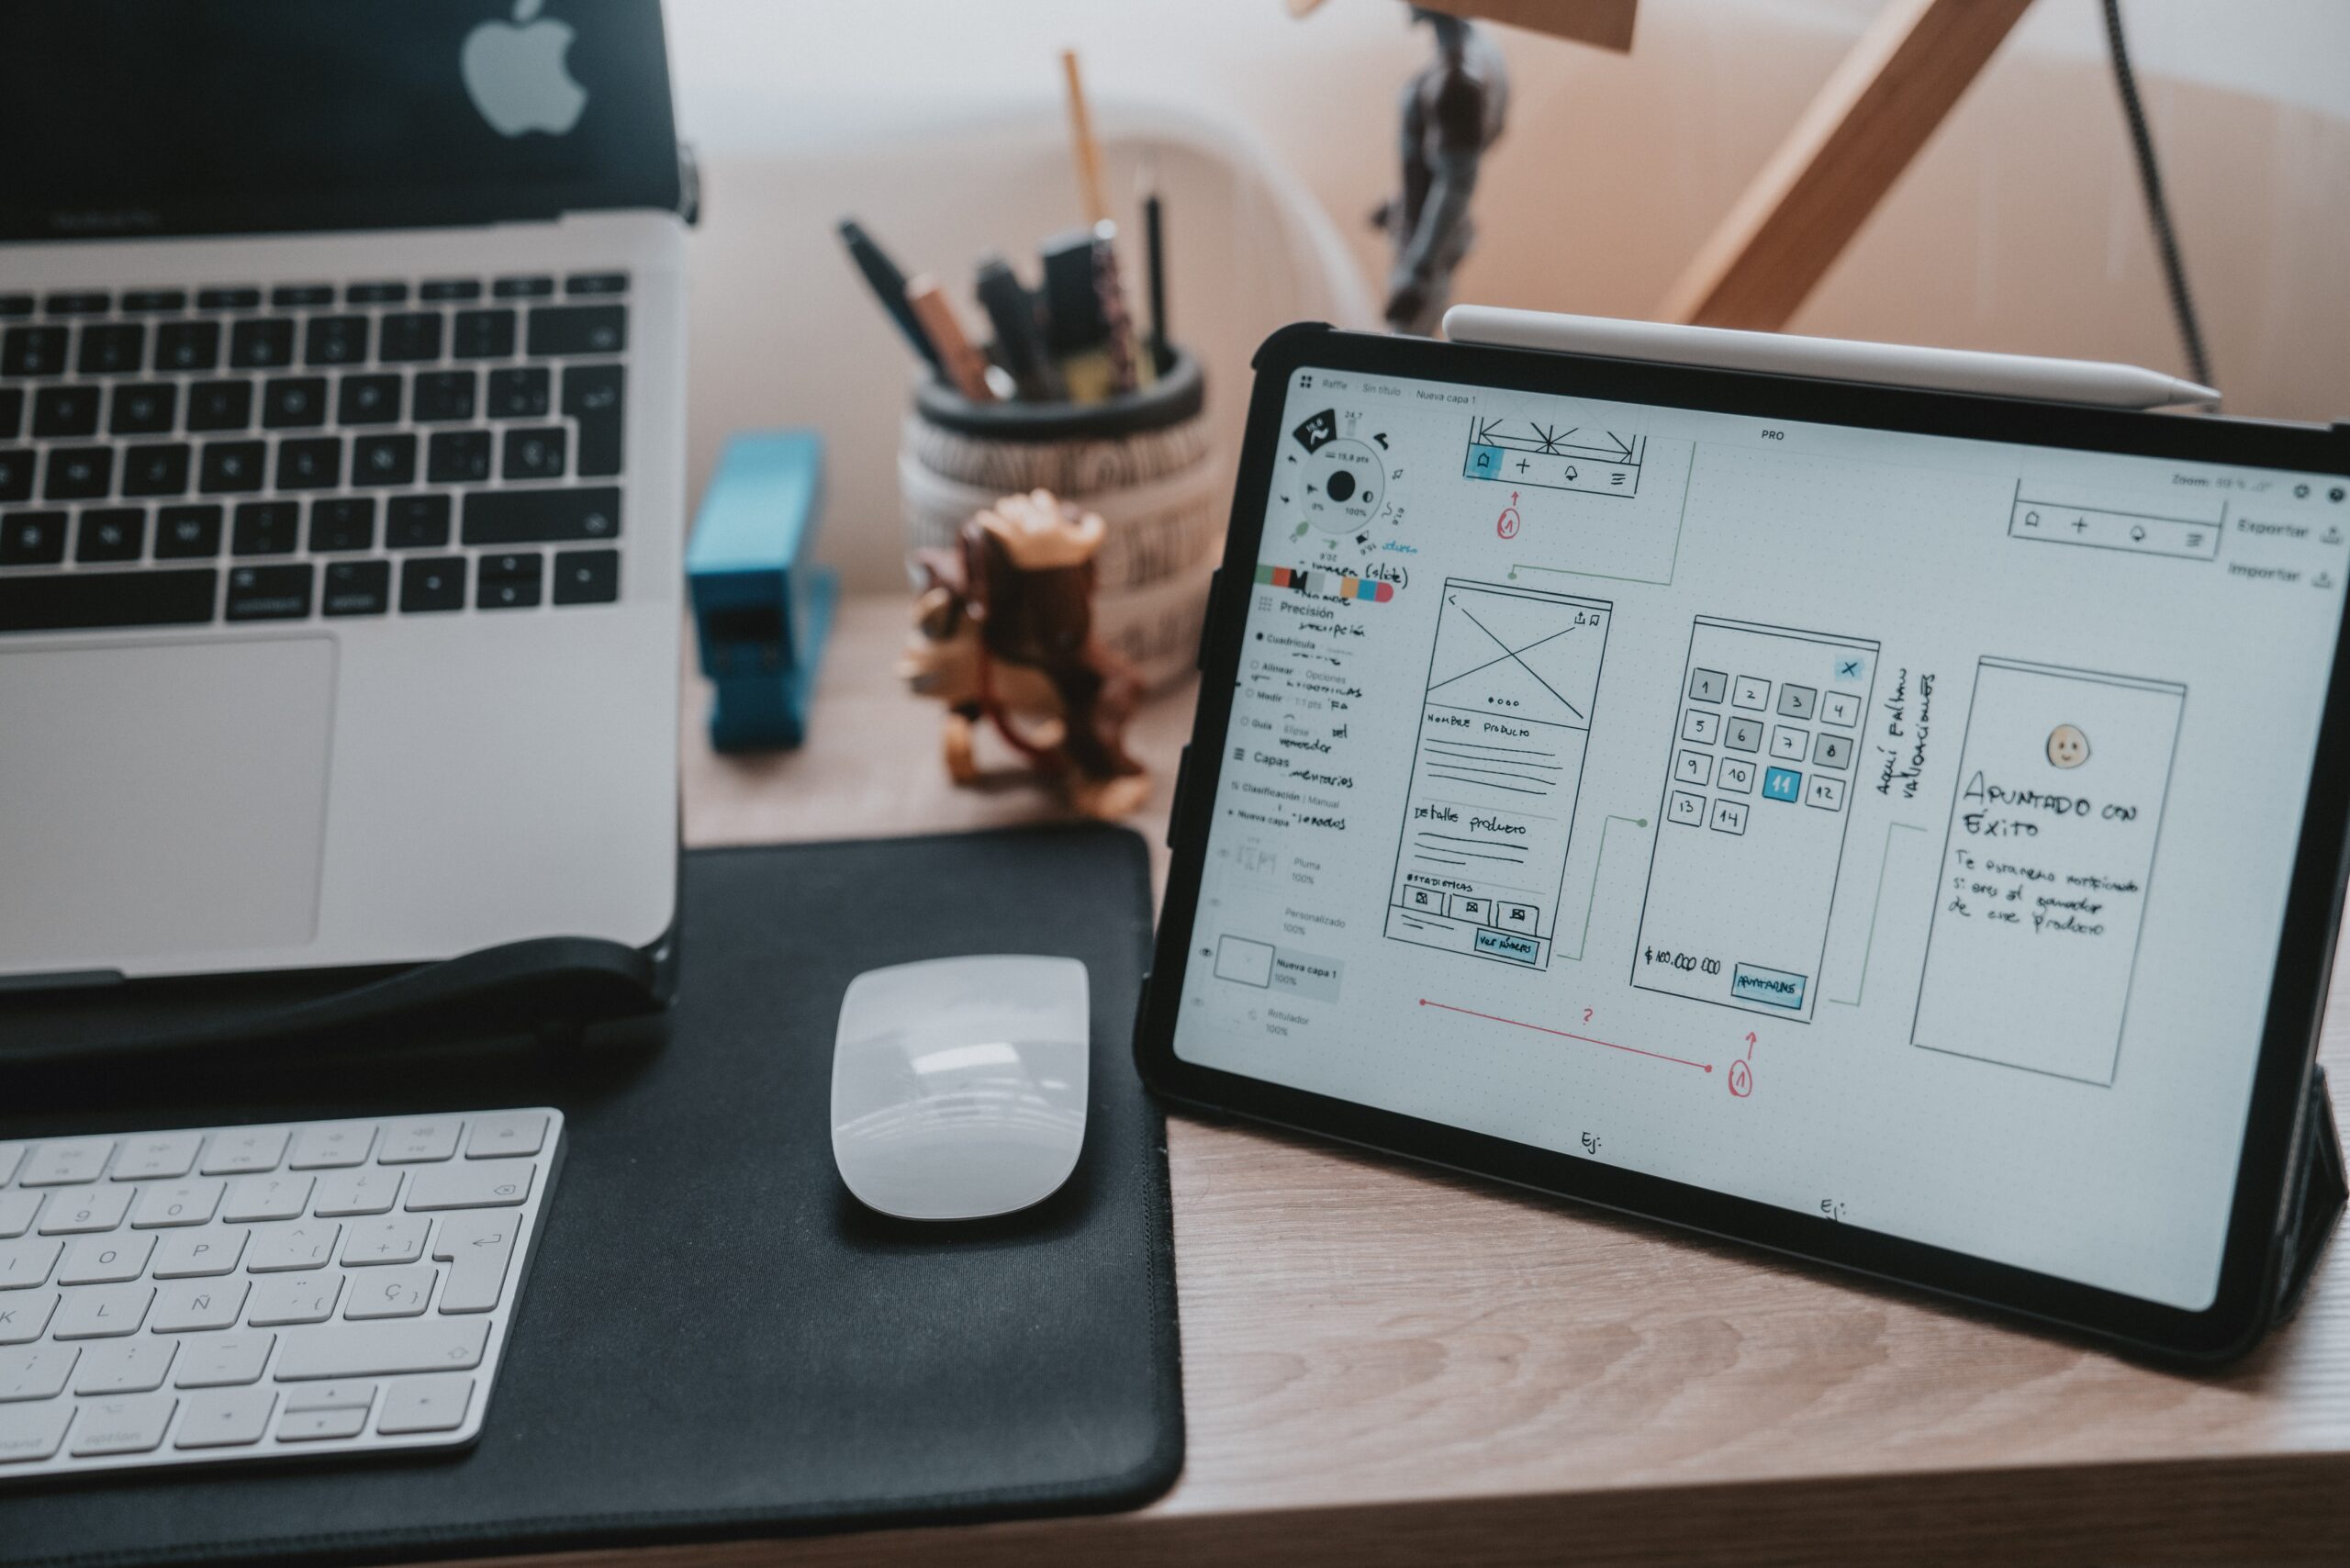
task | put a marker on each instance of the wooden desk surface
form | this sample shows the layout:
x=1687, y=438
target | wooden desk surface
x=1381, y=1363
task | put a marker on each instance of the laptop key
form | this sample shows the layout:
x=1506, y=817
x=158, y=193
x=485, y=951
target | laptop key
x=65, y=411
x=143, y=410
x=416, y=523
x=269, y=593
x=508, y=582
x=535, y=454
x=79, y=601
x=79, y=302
x=32, y=539
x=531, y=288
x=545, y=516
x=231, y=465
x=383, y=460
x=357, y=587
x=458, y=458
x=245, y=298
x=160, y=469
x=187, y=345
x=135, y=300
x=592, y=397
x=368, y=400
x=40, y=350
x=578, y=329
x=447, y=288
x=115, y=533
x=480, y=335
x=15, y=305
x=444, y=395
x=261, y=344
x=522, y=393
x=113, y=348
x=123, y=1426
x=586, y=577
x=410, y=336
x=12, y=411
x=335, y=339
x=432, y=583
x=294, y=402
x=79, y=472
x=292, y=294
x=605, y=283
x=312, y=463
x=16, y=474
x=266, y=528
x=182, y=532
x=220, y=405
x=32, y=1432
x=375, y=294
x=344, y=522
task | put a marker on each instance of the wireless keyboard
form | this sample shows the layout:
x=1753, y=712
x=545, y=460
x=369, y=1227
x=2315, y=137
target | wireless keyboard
x=246, y=1292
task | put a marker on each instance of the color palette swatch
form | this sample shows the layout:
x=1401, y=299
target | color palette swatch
x=1326, y=584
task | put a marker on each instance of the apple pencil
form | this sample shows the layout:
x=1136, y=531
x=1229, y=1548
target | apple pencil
x=1829, y=359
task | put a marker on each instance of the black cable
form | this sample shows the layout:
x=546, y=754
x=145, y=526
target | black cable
x=2150, y=176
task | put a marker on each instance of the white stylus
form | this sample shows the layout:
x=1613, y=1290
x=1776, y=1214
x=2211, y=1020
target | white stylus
x=1829, y=359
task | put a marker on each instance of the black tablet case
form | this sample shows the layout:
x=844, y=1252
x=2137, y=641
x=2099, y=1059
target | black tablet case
x=714, y=1338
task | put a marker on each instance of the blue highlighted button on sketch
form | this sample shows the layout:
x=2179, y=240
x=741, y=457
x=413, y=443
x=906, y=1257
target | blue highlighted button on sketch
x=1496, y=769
x=1554, y=454
x=1736, y=911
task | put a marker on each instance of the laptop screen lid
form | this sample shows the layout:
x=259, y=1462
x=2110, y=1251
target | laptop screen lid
x=189, y=116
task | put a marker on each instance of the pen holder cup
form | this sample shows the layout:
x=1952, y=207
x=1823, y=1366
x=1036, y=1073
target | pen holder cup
x=1142, y=460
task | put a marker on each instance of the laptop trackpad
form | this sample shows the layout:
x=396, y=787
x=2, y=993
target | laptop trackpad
x=161, y=801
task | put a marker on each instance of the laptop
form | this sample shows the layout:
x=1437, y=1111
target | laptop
x=341, y=355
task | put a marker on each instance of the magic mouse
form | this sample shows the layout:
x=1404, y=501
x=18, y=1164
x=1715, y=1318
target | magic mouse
x=958, y=1084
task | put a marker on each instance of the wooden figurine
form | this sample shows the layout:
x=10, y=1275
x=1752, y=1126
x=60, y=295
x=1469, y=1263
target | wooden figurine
x=1004, y=633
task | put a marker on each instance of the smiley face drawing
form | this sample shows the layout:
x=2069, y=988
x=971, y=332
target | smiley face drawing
x=2068, y=747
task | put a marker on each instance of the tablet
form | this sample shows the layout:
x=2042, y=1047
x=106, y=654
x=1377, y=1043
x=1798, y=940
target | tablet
x=1900, y=828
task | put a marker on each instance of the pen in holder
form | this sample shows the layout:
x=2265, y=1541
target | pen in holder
x=1142, y=460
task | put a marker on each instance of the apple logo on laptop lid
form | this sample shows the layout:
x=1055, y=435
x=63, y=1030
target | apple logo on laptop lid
x=516, y=75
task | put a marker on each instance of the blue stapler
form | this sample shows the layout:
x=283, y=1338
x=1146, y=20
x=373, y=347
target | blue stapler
x=761, y=608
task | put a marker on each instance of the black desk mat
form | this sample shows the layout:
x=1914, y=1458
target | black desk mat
x=715, y=1339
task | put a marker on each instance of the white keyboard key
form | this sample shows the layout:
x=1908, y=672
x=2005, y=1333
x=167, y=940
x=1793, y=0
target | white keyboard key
x=506, y=1135
x=24, y=1264
x=311, y=1426
x=17, y=1207
x=10, y=1154
x=477, y=1245
x=222, y=1360
x=266, y=1197
x=243, y=1152
x=192, y=1306
x=381, y=1349
x=24, y=1314
x=30, y=1432
x=86, y=1209
x=233, y=1417
x=301, y=1244
x=156, y=1154
x=105, y=1259
x=294, y=1298
x=124, y=1425
x=63, y=1161
x=333, y=1145
x=418, y=1141
x=102, y=1312
x=390, y=1293
x=435, y=1404
x=38, y=1372
x=124, y=1366
x=367, y=1192
x=493, y=1185
x=198, y=1254
x=164, y=1203
x=347, y=1394
x=395, y=1239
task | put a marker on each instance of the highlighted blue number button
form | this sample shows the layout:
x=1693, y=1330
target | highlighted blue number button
x=1782, y=784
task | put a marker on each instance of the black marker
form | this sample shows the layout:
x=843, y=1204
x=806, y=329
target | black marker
x=1019, y=340
x=890, y=285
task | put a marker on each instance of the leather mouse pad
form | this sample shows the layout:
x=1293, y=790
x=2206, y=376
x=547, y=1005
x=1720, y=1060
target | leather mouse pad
x=714, y=1338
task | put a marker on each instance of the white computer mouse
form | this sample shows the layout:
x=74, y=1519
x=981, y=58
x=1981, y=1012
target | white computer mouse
x=958, y=1084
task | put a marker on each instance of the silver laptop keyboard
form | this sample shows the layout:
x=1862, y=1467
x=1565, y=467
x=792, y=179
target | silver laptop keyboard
x=261, y=1291
x=388, y=447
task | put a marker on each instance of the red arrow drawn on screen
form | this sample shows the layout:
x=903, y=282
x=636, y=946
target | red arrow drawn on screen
x=1564, y=1035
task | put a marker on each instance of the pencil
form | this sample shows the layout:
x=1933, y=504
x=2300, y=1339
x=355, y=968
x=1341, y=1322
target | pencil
x=1083, y=146
x=964, y=365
